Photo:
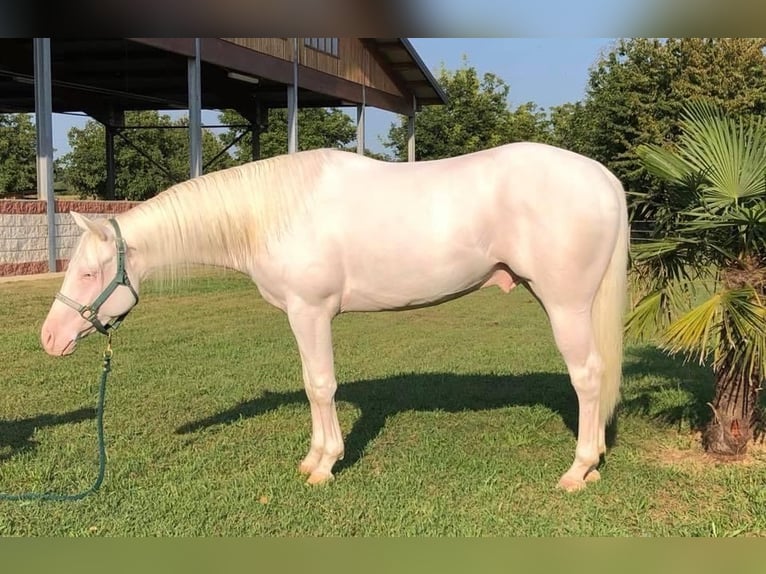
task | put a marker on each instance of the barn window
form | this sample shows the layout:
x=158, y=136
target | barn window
x=326, y=45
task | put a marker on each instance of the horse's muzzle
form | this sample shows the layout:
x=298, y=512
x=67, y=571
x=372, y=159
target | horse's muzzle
x=53, y=346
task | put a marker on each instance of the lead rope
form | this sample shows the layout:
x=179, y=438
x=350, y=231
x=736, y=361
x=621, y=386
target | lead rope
x=105, y=369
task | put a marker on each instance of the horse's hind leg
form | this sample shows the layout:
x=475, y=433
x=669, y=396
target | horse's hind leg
x=573, y=332
x=311, y=327
x=311, y=460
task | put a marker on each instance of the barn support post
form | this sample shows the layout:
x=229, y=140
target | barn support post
x=44, y=130
x=292, y=120
x=256, y=127
x=255, y=142
x=360, y=113
x=360, y=116
x=113, y=120
x=292, y=104
x=411, y=131
x=195, y=111
x=110, y=167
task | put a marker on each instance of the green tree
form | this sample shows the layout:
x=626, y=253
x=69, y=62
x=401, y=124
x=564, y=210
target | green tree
x=136, y=177
x=704, y=266
x=636, y=92
x=529, y=122
x=568, y=127
x=373, y=154
x=476, y=117
x=317, y=128
x=18, y=171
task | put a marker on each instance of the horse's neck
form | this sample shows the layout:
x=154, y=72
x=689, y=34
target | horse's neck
x=228, y=217
x=163, y=239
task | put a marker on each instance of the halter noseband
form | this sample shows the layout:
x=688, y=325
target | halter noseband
x=90, y=312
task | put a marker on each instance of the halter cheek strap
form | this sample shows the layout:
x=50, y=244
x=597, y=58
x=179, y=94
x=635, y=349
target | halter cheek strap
x=90, y=312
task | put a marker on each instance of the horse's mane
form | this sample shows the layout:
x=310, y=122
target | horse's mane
x=225, y=217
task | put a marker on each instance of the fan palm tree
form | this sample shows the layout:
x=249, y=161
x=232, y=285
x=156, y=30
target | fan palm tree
x=702, y=271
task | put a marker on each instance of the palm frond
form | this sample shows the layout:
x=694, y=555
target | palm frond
x=745, y=333
x=664, y=163
x=669, y=261
x=655, y=248
x=646, y=317
x=697, y=332
x=730, y=154
x=732, y=232
x=730, y=327
x=660, y=306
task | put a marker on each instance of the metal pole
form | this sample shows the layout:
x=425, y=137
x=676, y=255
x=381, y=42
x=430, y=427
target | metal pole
x=109, y=133
x=195, y=112
x=44, y=129
x=360, y=109
x=411, y=131
x=292, y=105
x=255, y=133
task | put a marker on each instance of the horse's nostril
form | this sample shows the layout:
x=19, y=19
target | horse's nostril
x=47, y=338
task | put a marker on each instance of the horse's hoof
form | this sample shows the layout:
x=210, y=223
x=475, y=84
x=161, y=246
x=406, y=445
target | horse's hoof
x=319, y=478
x=309, y=463
x=593, y=476
x=571, y=484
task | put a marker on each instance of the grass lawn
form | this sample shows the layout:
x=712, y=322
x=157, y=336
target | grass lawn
x=458, y=419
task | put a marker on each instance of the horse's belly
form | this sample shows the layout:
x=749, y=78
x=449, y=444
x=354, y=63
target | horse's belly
x=411, y=281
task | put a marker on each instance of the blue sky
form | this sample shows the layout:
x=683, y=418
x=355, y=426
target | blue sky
x=548, y=71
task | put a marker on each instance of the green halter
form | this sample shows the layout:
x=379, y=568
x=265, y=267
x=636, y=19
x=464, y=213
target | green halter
x=90, y=312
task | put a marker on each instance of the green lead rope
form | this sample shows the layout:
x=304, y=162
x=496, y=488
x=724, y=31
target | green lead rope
x=106, y=368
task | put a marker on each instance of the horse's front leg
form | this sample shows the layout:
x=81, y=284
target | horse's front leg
x=312, y=330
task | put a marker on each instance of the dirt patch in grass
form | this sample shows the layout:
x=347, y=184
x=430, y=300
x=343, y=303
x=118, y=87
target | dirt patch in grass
x=688, y=454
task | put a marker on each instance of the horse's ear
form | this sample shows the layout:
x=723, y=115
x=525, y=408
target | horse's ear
x=86, y=224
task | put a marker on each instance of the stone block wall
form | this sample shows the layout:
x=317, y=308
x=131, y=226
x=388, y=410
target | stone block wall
x=24, y=232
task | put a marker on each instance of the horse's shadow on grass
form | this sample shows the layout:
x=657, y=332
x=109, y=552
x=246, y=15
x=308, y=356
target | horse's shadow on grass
x=691, y=386
x=379, y=399
x=17, y=436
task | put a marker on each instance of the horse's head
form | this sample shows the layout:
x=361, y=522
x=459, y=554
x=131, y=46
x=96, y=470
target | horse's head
x=98, y=291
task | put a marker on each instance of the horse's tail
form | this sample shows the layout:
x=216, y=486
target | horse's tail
x=609, y=310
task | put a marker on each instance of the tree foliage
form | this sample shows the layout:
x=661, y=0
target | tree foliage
x=476, y=117
x=568, y=126
x=136, y=177
x=636, y=93
x=317, y=128
x=17, y=154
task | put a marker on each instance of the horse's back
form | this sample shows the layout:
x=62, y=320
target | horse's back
x=526, y=172
x=514, y=198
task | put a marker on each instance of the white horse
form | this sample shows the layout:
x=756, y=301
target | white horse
x=325, y=232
